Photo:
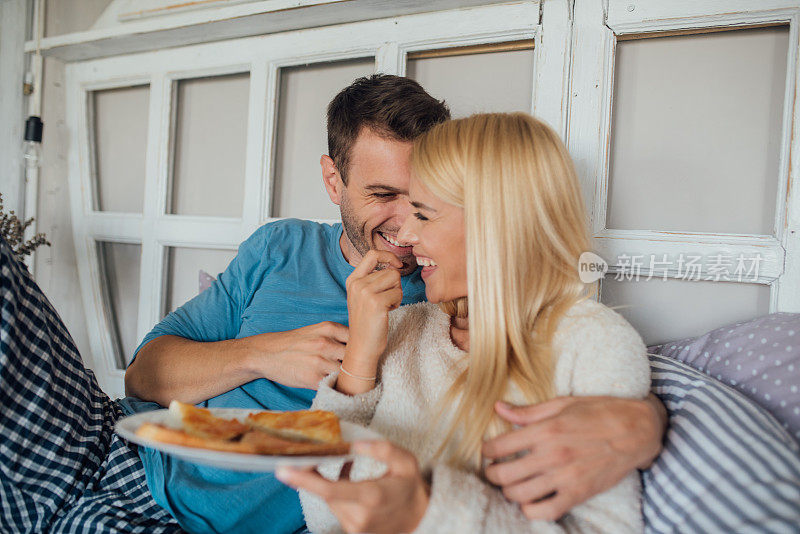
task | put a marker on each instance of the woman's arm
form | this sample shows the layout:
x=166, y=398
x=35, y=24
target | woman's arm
x=371, y=294
x=358, y=408
x=454, y=502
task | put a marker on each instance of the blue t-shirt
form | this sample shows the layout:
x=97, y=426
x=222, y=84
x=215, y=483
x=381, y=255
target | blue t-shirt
x=287, y=275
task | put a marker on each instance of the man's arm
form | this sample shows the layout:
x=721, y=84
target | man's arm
x=581, y=446
x=171, y=367
x=193, y=354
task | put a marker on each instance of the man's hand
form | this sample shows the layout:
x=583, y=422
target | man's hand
x=574, y=448
x=173, y=368
x=298, y=358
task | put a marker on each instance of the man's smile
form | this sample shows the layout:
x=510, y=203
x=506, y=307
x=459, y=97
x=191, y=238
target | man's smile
x=394, y=245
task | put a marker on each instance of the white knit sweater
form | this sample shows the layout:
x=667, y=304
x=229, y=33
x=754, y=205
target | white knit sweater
x=597, y=353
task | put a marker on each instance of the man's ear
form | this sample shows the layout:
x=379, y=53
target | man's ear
x=332, y=179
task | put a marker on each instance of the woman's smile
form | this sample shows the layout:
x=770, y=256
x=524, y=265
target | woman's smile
x=427, y=264
x=436, y=230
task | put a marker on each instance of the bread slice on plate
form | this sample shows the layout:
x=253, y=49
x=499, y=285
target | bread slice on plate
x=315, y=425
x=174, y=436
x=266, y=443
x=300, y=433
x=201, y=423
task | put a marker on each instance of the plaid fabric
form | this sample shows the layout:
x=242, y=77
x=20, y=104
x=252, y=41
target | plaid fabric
x=62, y=468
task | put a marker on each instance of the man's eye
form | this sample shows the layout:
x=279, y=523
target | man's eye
x=420, y=216
x=383, y=195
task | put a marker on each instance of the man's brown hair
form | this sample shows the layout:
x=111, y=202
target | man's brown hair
x=392, y=106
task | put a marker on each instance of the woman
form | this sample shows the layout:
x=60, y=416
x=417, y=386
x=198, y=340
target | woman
x=498, y=230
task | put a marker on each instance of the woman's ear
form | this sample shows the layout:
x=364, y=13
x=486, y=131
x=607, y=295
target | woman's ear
x=332, y=179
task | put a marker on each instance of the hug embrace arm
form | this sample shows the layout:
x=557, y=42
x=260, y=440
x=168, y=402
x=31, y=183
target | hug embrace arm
x=194, y=354
x=587, y=444
x=576, y=446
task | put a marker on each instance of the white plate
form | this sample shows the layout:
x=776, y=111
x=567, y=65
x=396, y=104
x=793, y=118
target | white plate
x=253, y=463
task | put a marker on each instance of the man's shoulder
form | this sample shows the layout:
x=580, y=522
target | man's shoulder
x=290, y=233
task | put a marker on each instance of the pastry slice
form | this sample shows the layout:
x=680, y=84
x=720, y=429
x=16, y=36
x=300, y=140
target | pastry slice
x=201, y=423
x=306, y=432
x=181, y=437
x=314, y=425
x=268, y=443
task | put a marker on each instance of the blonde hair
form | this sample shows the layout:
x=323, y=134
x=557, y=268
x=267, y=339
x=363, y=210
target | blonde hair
x=525, y=230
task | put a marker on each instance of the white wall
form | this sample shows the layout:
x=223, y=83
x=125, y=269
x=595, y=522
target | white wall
x=13, y=16
x=305, y=92
x=56, y=270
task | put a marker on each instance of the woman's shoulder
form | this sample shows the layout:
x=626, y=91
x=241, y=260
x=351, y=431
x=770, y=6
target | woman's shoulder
x=600, y=353
x=590, y=317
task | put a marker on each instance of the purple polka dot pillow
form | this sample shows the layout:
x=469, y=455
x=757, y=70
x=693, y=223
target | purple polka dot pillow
x=760, y=358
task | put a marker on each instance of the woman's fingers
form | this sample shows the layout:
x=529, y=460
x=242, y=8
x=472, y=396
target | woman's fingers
x=306, y=479
x=382, y=287
x=382, y=280
x=311, y=480
x=399, y=461
x=371, y=260
x=550, y=509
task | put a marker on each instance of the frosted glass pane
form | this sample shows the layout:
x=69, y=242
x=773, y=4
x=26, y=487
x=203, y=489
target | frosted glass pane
x=183, y=272
x=473, y=83
x=209, y=145
x=120, y=265
x=301, y=137
x=673, y=309
x=696, y=132
x=120, y=143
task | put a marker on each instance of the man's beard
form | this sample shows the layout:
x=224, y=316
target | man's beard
x=355, y=232
x=353, y=228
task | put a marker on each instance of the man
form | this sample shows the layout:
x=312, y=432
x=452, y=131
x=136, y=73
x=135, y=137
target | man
x=301, y=304
x=265, y=333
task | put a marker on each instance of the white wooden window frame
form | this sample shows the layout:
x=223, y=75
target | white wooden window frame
x=596, y=28
x=388, y=40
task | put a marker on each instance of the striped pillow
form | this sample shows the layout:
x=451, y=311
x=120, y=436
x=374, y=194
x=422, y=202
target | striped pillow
x=727, y=465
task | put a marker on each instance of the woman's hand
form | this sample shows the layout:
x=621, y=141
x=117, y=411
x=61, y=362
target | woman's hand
x=393, y=503
x=371, y=295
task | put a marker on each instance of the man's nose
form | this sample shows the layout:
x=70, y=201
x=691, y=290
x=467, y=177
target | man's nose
x=406, y=234
x=403, y=209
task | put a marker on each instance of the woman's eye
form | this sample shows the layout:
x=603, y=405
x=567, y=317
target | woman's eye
x=420, y=216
